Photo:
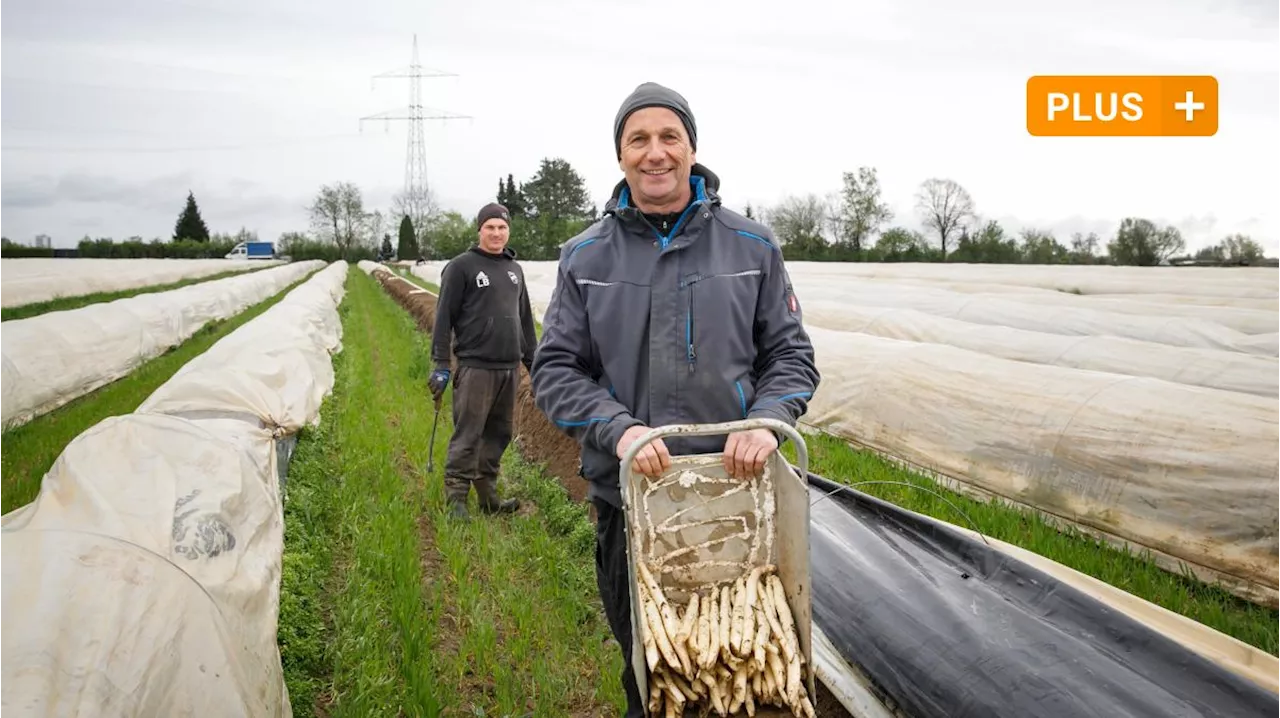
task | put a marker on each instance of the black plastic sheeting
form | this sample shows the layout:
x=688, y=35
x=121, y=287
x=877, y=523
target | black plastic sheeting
x=947, y=626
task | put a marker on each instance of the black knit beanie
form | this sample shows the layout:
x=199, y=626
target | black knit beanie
x=493, y=210
x=651, y=94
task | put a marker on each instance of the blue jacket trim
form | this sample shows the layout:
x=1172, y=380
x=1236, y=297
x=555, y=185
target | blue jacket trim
x=757, y=238
x=594, y=420
x=742, y=398
x=784, y=397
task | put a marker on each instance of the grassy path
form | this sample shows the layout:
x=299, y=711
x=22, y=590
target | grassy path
x=390, y=608
x=30, y=449
x=60, y=304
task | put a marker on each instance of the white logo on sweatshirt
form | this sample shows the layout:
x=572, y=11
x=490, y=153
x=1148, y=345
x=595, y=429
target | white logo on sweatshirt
x=514, y=279
x=482, y=280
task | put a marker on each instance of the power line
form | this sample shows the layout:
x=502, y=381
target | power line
x=415, y=171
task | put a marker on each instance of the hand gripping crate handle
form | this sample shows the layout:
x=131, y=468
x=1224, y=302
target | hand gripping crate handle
x=728, y=427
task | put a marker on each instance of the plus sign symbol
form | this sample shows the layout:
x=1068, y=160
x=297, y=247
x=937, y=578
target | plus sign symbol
x=1189, y=106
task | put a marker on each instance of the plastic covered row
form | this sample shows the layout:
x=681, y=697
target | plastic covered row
x=40, y=279
x=144, y=579
x=53, y=358
x=1206, y=284
x=1010, y=311
x=1229, y=371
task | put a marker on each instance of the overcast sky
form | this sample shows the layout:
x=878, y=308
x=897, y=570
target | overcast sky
x=113, y=110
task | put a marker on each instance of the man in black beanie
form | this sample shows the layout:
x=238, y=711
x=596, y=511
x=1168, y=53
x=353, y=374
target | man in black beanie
x=484, y=309
x=671, y=309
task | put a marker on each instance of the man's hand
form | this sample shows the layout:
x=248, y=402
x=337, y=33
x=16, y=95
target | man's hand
x=438, y=382
x=652, y=460
x=746, y=451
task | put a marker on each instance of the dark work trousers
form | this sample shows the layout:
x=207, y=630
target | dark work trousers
x=484, y=407
x=615, y=592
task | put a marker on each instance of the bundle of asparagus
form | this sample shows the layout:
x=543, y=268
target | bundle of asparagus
x=730, y=648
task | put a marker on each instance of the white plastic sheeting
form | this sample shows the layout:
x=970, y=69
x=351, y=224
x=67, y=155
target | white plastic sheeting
x=1009, y=311
x=1154, y=430
x=1204, y=283
x=1248, y=320
x=56, y=357
x=144, y=579
x=1230, y=371
x=39, y=279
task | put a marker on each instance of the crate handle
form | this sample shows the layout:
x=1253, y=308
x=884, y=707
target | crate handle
x=728, y=427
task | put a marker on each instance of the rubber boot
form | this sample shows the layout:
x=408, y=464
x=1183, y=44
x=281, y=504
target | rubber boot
x=487, y=492
x=456, y=491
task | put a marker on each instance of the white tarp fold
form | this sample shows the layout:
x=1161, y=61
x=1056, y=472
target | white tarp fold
x=1247, y=319
x=1009, y=311
x=144, y=579
x=38, y=279
x=54, y=358
x=1205, y=283
x=1229, y=371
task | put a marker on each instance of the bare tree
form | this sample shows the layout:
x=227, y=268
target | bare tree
x=338, y=216
x=946, y=207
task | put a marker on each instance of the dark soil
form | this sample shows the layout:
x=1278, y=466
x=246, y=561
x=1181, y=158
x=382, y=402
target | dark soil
x=539, y=441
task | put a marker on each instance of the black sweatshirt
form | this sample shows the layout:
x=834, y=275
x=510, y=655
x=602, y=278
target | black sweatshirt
x=484, y=308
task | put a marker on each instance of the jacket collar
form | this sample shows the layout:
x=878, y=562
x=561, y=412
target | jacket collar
x=705, y=184
x=507, y=252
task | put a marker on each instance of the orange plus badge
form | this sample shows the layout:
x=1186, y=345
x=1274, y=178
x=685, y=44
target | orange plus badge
x=1122, y=106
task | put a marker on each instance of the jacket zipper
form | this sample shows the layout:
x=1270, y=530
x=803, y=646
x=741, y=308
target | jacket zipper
x=693, y=354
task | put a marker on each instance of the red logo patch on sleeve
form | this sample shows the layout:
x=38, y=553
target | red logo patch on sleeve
x=792, y=302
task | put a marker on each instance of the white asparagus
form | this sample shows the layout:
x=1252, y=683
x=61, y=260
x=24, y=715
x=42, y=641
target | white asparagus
x=664, y=609
x=735, y=632
x=659, y=633
x=697, y=664
x=712, y=646
x=726, y=622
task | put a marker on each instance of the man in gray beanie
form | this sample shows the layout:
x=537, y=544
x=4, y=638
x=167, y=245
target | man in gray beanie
x=483, y=318
x=671, y=309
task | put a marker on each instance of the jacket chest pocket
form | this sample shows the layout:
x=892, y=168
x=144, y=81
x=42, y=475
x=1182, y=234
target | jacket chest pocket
x=719, y=313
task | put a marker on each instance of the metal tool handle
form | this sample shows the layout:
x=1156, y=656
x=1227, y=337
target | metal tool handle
x=728, y=427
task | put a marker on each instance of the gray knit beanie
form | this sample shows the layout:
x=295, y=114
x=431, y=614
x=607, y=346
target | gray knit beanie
x=651, y=94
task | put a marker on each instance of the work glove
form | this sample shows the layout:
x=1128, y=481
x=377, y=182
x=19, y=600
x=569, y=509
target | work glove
x=438, y=382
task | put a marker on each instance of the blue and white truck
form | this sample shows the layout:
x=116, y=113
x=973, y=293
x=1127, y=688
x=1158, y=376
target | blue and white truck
x=253, y=250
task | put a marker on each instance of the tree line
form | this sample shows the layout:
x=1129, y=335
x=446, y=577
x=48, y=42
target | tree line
x=553, y=204
x=855, y=225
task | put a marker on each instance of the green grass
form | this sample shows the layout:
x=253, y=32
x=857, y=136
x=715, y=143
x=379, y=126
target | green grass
x=1135, y=573
x=60, y=304
x=390, y=608
x=1132, y=572
x=30, y=449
